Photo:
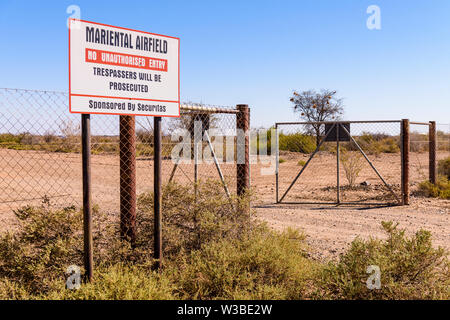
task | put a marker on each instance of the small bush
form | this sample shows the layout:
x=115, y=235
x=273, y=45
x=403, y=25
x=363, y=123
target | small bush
x=212, y=250
x=353, y=164
x=297, y=142
x=301, y=163
x=118, y=282
x=47, y=241
x=144, y=136
x=260, y=265
x=410, y=268
x=377, y=143
x=439, y=190
x=389, y=145
x=49, y=137
x=281, y=160
x=8, y=138
x=188, y=221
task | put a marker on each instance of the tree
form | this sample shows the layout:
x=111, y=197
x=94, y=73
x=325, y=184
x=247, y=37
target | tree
x=316, y=106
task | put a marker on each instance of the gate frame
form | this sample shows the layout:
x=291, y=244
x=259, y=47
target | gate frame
x=404, y=151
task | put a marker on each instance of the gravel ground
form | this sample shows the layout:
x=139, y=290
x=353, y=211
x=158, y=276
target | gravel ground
x=330, y=229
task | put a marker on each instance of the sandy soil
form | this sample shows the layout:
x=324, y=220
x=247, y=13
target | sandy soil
x=26, y=176
x=330, y=229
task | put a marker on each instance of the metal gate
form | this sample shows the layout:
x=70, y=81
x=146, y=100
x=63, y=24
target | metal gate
x=342, y=162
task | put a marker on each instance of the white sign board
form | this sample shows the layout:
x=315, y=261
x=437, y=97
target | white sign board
x=114, y=70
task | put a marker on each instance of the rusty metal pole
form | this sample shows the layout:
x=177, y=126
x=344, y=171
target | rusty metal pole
x=432, y=150
x=243, y=149
x=338, y=157
x=157, y=250
x=127, y=179
x=197, y=142
x=405, y=141
x=277, y=160
x=87, y=211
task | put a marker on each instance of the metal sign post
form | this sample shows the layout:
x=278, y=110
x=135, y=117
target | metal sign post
x=120, y=71
x=127, y=153
x=87, y=211
x=157, y=252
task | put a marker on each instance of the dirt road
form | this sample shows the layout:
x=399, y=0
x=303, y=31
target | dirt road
x=330, y=229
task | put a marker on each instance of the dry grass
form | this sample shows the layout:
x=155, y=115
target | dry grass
x=211, y=252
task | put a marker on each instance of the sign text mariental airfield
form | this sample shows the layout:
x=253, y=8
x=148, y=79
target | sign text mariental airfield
x=113, y=70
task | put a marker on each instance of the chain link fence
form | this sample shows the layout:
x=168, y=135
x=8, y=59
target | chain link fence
x=370, y=165
x=40, y=154
x=420, y=148
x=358, y=181
x=40, y=151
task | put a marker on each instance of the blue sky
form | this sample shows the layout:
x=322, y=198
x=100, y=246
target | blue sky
x=257, y=52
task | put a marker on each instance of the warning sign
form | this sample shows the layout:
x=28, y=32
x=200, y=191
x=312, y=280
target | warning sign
x=115, y=70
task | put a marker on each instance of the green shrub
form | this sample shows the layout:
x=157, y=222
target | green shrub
x=212, y=250
x=189, y=221
x=13, y=290
x=144, y=136
x=389, y=145
x=352, y=162
x=118, y=282
x=377, y=143
x=6, y=138
x=48, y=241
x=410, y=268
x=439, y=190
x=297, y=142
x=260, y=265
x=301, y=163
x=281, y=160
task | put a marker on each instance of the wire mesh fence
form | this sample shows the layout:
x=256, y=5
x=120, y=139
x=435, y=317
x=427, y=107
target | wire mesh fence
x=443, y=139
x=40, y=155
x=369, y=169
x=40, y=151
x=420, y=148
x=370, y=162
x=419, y=153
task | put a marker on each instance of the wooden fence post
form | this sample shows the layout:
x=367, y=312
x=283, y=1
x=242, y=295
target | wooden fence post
x=432, y=151
x=405, y=141
x=243, y=149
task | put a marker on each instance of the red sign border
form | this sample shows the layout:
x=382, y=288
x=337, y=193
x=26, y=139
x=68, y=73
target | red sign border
x=94, y=96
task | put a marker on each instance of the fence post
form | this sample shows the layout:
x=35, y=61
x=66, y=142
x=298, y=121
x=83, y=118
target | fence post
x=405, y=141
x=243, y=148
x=432, y=151
x=87, y=212
x=277, y=160
x=157, y=250
x=338, y=157
x=127, y=178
